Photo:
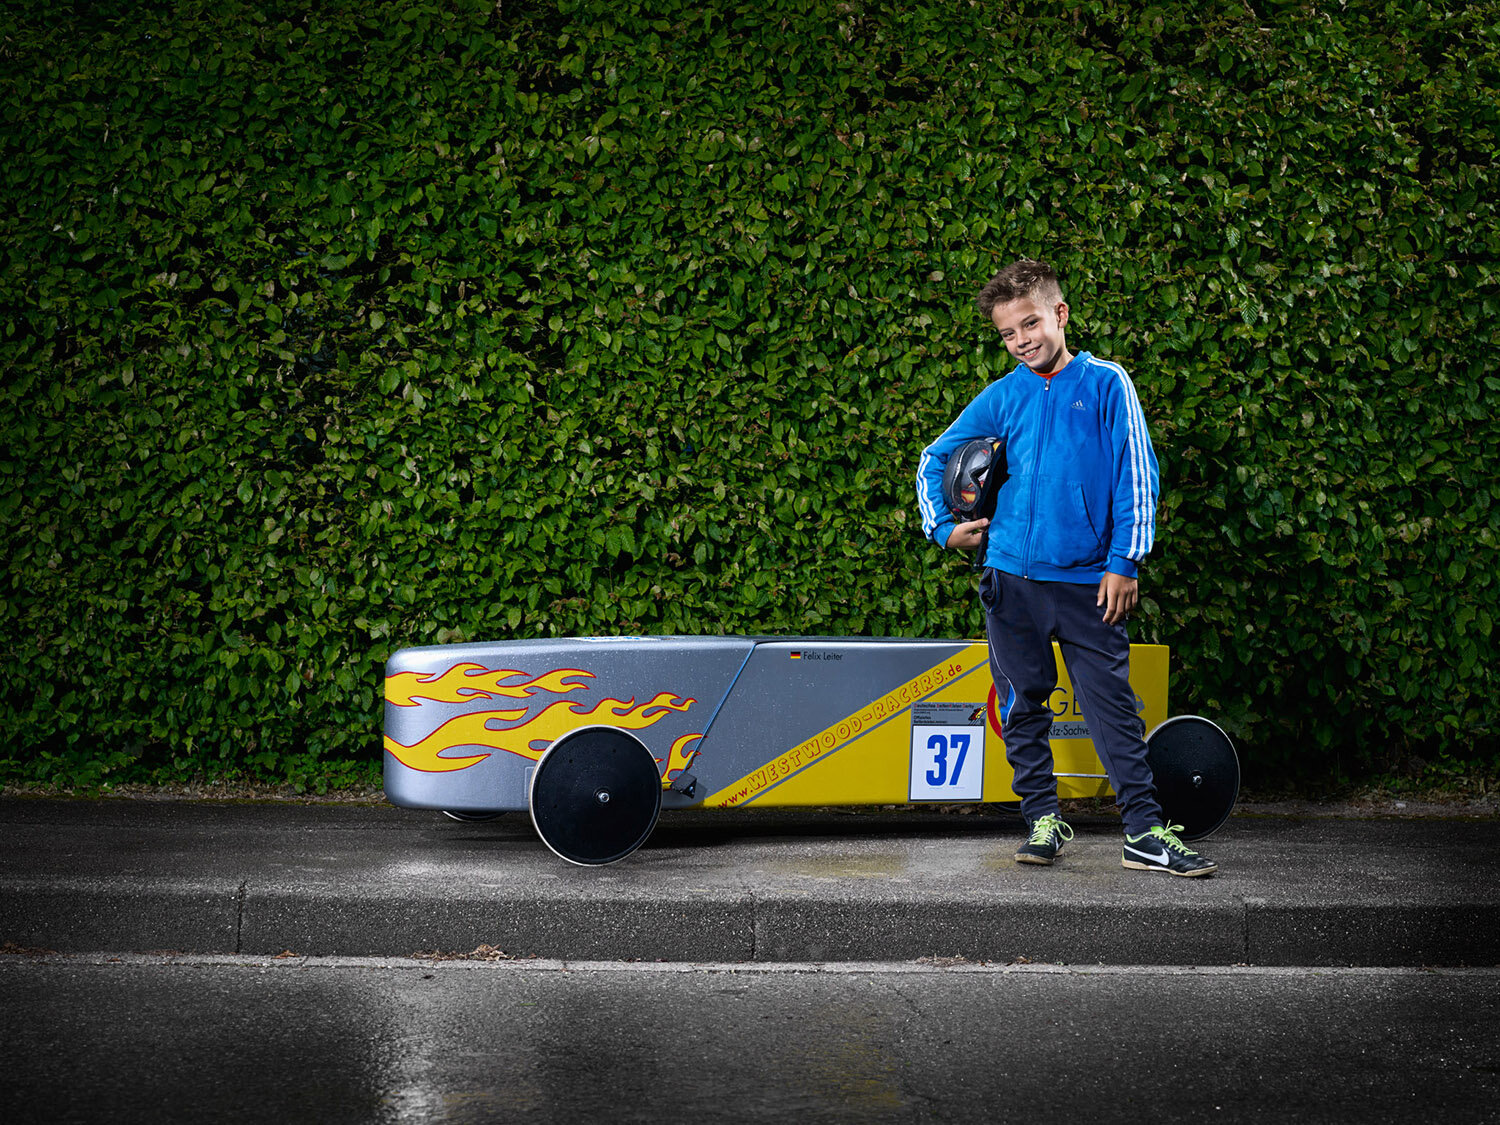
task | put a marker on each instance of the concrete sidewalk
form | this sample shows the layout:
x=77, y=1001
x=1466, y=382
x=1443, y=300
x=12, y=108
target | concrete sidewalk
x=745, y=885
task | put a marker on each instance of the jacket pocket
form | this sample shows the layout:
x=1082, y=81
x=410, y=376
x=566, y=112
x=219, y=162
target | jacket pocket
x=1065, y=535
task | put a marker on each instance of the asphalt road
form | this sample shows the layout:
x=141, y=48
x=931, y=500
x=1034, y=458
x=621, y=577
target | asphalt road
x=103, y=1038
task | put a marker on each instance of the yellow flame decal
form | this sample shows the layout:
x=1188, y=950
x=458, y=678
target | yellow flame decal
x=466, y=730
x=679, y=758
x=465, y=682
x=529, y=739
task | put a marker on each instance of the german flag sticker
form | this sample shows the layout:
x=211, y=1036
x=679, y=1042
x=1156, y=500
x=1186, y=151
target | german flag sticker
x=796, y=655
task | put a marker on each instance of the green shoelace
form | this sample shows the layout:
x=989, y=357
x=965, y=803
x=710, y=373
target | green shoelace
x=1168, y=837
x=1045, y=826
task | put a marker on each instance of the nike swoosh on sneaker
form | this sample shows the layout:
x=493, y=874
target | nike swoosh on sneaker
x=1155, y=857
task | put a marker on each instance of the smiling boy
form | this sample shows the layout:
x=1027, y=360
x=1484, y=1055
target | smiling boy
x=1071, y=526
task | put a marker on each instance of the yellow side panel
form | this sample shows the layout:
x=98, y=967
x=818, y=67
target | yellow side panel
x=866, y=760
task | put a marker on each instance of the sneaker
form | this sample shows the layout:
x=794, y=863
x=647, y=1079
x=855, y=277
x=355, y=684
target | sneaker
x=1048, y=835
x=1159, y=849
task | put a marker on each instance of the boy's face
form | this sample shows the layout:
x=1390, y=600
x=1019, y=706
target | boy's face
x=1034, y=333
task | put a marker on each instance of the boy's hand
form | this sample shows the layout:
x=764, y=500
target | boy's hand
x=1117, y=594
x=967, y=536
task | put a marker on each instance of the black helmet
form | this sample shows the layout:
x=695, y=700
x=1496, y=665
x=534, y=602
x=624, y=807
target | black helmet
x=968, y=472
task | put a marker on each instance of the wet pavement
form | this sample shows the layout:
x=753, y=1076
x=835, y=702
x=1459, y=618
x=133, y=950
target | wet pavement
x=126, y=1038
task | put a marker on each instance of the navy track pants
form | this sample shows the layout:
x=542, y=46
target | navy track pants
x=1021, y=619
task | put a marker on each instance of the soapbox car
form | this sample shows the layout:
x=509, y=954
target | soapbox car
x=595, y=736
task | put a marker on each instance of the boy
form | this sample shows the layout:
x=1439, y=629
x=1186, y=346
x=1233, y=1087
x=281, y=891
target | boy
x=1071, y=525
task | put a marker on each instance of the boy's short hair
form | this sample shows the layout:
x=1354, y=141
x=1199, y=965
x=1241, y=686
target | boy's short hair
x=1034, y=280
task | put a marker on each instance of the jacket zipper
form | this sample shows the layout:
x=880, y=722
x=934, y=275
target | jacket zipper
x=1036, y=465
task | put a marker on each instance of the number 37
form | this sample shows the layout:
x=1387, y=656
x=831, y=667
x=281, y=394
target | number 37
x=941, y=745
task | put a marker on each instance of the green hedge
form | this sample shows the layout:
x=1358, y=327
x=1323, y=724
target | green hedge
x=336, y=328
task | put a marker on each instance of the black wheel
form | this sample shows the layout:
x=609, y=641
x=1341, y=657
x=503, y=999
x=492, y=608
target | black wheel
x=595, y=795
x=470, y=817
x=1197, y=773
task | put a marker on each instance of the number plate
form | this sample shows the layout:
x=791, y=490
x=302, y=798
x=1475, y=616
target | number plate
x=947, y=751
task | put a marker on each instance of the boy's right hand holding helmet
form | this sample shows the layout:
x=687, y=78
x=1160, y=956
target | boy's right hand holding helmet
x=967, y=536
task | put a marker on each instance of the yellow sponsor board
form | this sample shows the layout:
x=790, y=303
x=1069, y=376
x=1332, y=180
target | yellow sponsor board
x=869, y=757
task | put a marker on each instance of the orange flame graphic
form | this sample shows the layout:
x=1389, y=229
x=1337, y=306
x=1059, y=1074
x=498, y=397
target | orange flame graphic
x=530, y=739
x=465, y=682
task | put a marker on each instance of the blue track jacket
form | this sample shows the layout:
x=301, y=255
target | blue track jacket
x=1081, y=498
